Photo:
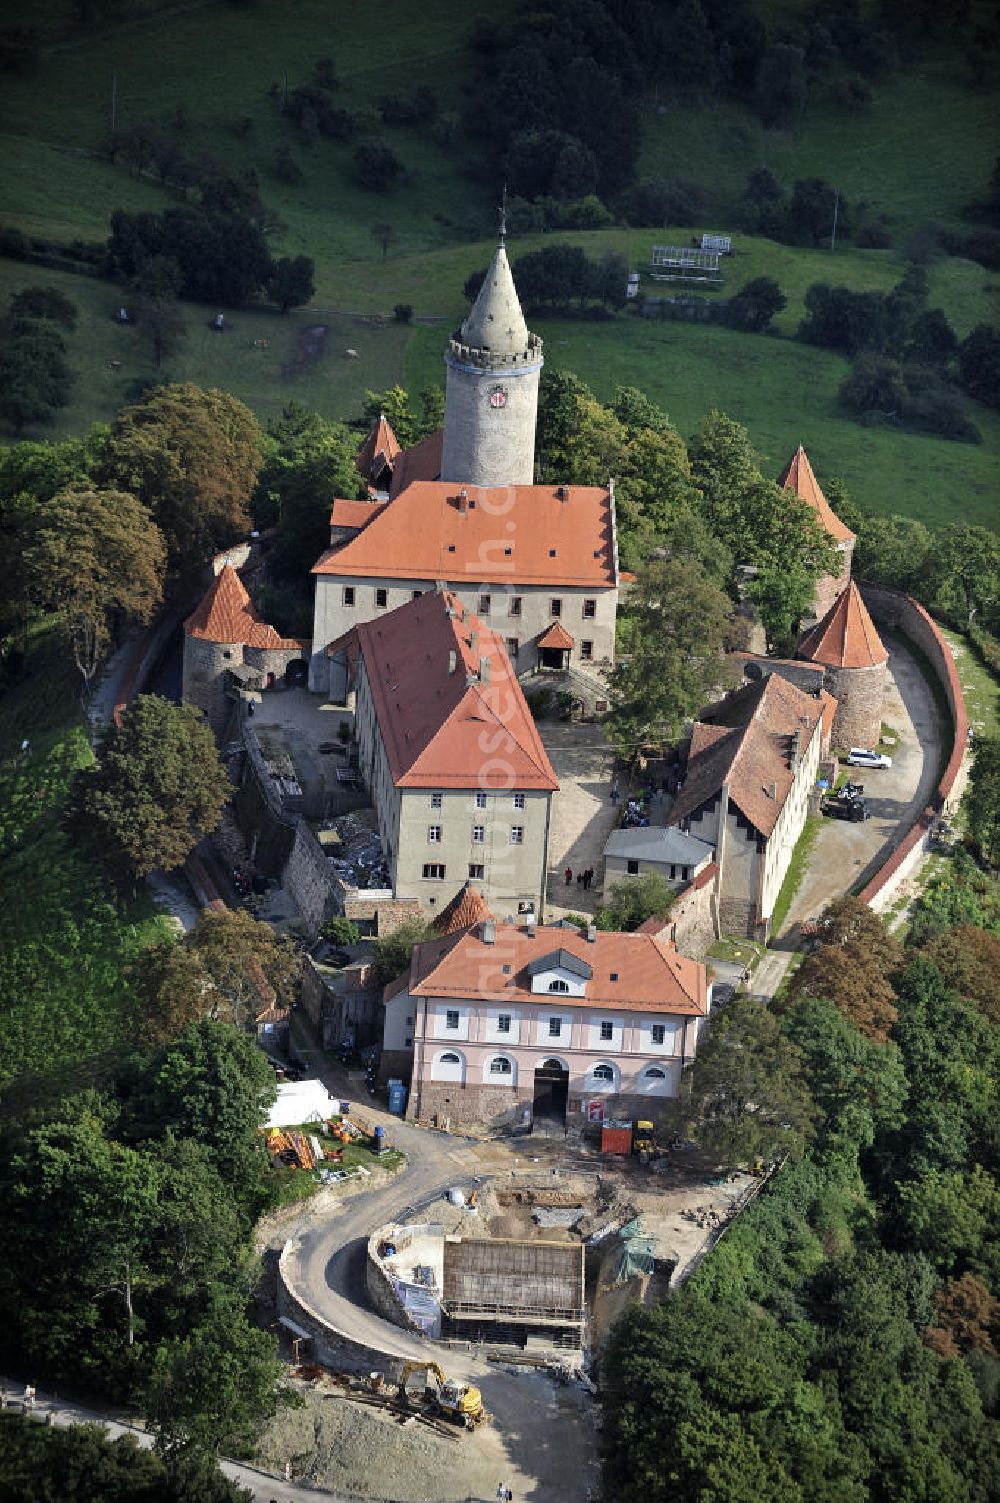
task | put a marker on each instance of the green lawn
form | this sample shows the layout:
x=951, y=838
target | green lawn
x=795, y=873
x=921, y=151
x=109, y=358
x=785, y=393
x=979, y=688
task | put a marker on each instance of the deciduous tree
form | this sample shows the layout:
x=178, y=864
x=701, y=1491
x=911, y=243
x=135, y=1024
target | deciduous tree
x=192, y=457
x=630, y=902
x=967, y=564
x=228, y=968
x=678, y=621
x=748, y=1093
x=97, y=557
x=156, y=790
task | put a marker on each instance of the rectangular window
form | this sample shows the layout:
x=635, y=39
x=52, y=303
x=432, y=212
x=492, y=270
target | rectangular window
x=633, y=868
x=607, y=1032
x=435, y=801
x=434, y=871
x=519, y=801
x=555, y=1027
x=477, y=871
x=514, y=605
x=434, y=834
x=517, y=834
x=480, y=801
x=348, y=594
x=381, y=598
x=503, y=1023
x=513, y=647
x=451, y=1018
x=659, y=1033
x=555, y=608
x=586, y=650
x=484, y=605
x=589, y=610
x=673, y=871
x=478, y=834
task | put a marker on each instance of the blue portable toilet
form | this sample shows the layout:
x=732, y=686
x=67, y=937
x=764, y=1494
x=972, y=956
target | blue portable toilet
x=379, y=1139
x=397, y=1097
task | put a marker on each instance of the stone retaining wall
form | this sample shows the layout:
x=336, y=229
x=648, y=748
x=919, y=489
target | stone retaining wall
x=331, y=1347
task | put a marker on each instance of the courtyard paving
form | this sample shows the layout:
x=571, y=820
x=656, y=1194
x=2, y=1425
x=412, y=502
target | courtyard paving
x=583, y=814
x=845, y=855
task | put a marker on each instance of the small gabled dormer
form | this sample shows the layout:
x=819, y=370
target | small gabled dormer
x=560, y=973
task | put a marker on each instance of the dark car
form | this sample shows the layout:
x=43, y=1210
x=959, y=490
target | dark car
x=853, y=809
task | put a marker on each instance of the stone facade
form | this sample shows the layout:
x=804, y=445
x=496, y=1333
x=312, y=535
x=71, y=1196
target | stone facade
x=860, y=693
x=829, y=586
x=485, y=444
x=519, y=613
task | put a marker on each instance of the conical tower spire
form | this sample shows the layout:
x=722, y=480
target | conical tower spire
x=495, y=322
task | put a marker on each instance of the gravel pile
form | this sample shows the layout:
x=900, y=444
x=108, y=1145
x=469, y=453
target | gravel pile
x=350, y=1448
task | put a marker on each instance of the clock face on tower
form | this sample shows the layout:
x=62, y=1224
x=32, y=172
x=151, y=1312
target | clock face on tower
x=497, y=396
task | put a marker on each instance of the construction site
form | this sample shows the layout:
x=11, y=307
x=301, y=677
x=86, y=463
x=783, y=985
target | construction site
x=496, y=1294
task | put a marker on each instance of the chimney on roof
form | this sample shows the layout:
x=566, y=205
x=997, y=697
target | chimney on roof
x=452, y=660
x=562, y=491
x=440, y=586
x=473, y=642
x=591, y=934
x=484, y=671
x=529, y=926
x=772, y=790
x=796, y=749
x=489, y=932
x=463, y=500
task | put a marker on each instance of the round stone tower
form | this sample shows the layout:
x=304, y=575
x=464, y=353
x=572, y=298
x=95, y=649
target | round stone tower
x=491, y=396
x=855, y=664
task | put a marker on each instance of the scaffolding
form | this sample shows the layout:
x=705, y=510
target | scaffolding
x=514, y=1283
x=682, y=263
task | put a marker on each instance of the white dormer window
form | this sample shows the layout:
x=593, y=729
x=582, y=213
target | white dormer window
x=558, y=985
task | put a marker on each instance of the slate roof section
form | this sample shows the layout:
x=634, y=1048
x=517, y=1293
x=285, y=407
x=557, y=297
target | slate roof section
x=561, y=960
x=649, y=975
x=656, y=844
x=225, y=614
x=798, y=476
x=846, y=636
x=421, y=461
x=379, y=449
x=444, y=726
x=747, y=741
x=466, y=908
x=533, y=534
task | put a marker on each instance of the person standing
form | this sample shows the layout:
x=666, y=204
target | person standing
x=569, y=876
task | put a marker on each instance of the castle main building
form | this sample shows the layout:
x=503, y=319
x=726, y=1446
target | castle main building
x=537, y=563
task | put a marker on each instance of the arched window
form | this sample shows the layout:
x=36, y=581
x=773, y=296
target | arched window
x=453, y=1059
x=558, y=985
x=655, y=1073
x=500, y=1065
x=603, y=1072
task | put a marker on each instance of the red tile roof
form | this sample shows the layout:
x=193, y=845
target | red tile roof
x=466, y=726
x=846, y=636
x=423, y=534
x=421, y=461
x=466, y=908
x=379, y=449
x=630, y=972
x=555, y=635
x=355, y=514
x=798, y=477
x=225, y=614
x=747, y=742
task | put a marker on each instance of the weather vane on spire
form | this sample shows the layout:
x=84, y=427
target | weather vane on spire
x=503, y=213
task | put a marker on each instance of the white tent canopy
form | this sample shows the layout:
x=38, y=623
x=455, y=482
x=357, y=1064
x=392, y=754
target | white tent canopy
x=301, y=1101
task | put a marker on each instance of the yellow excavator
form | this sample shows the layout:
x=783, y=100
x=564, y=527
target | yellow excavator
x=460, y=1402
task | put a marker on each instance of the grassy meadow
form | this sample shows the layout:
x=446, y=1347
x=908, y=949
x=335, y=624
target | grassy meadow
x=212, y=75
